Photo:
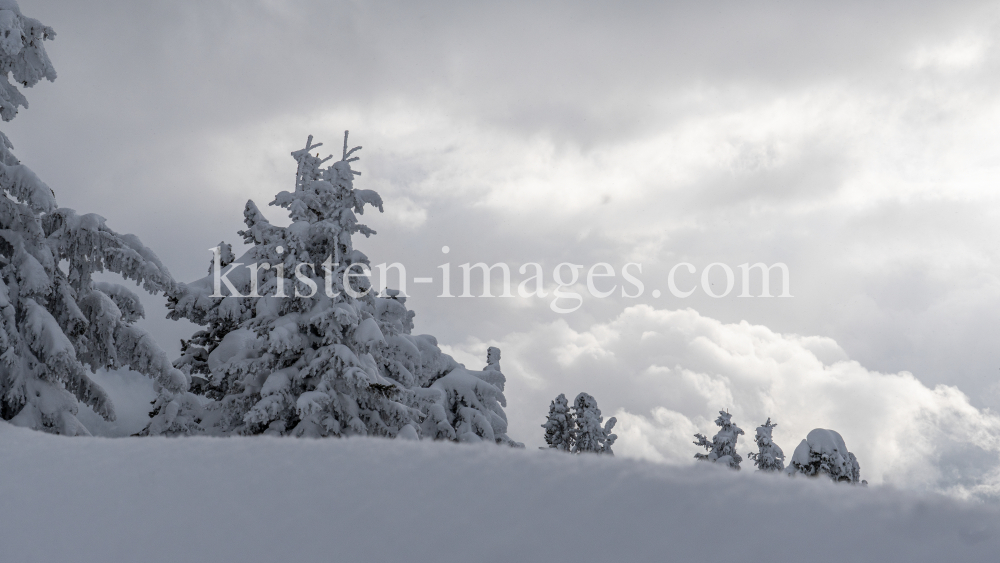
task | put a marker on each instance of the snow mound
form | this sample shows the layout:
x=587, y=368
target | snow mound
x=820, y=440
x=365, y=499
x=824, y=451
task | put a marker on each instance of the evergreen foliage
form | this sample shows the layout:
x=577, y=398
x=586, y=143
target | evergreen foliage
x=824, y=452
x=578, y=429
x=58, y=323
x=722, y=448
x=768, y=456
x=559, y=425
x=302, y=346
x=589, y=435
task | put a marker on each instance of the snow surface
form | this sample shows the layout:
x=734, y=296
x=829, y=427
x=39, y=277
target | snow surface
x=364, y=499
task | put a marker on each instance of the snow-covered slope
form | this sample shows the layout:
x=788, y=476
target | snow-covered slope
x=278, y=499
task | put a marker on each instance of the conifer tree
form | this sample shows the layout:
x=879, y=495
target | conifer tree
x=299, y=344
x=468, y=405
x=722, y=448
x=559, y=425
x=589, y=435
x=824, y=452
x=58, y=324
x=768, y=456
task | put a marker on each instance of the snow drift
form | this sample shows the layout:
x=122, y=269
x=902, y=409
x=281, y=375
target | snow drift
x=365, y=499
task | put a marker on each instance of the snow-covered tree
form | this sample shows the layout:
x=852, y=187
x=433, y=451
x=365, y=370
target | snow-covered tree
x=823, y=452
x=722, y=448
x=559, y=425
x=589, y=435
x=468, y=405
x=22, y=57
x=296, y=343
x=174, y=414
x=58, y=324
x=768, y=456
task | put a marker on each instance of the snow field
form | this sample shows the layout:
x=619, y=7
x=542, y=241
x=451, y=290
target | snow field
x=271, y=499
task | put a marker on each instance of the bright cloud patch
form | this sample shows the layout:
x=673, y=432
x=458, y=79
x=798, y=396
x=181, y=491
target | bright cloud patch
x=666, y=374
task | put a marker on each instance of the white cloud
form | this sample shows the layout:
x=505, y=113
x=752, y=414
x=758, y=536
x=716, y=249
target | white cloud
x=666, y=374
x=960, y=53
x=404, y=212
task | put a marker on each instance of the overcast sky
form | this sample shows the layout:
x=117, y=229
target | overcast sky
x=856, y=142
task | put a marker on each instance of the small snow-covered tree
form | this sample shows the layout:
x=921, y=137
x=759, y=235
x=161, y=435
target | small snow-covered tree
x=300, y=344
x=58, y=324
x=824, y=452
x=468, y=406
x=768, y=456
x=174, y=414
x=589, y=435
x=722, y=447
x=559, y=425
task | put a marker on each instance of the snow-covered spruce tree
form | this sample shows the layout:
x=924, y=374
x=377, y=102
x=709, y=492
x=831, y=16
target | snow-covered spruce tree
x=559, y=425
x=588, y=434
x=768, y=456
x=466, y=406
x=823, y=452
x=58, y=323
x=722, y=448
x=22, y=57
x=319, y=354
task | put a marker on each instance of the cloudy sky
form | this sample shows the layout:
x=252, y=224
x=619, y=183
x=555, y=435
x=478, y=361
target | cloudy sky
x=856, y=142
